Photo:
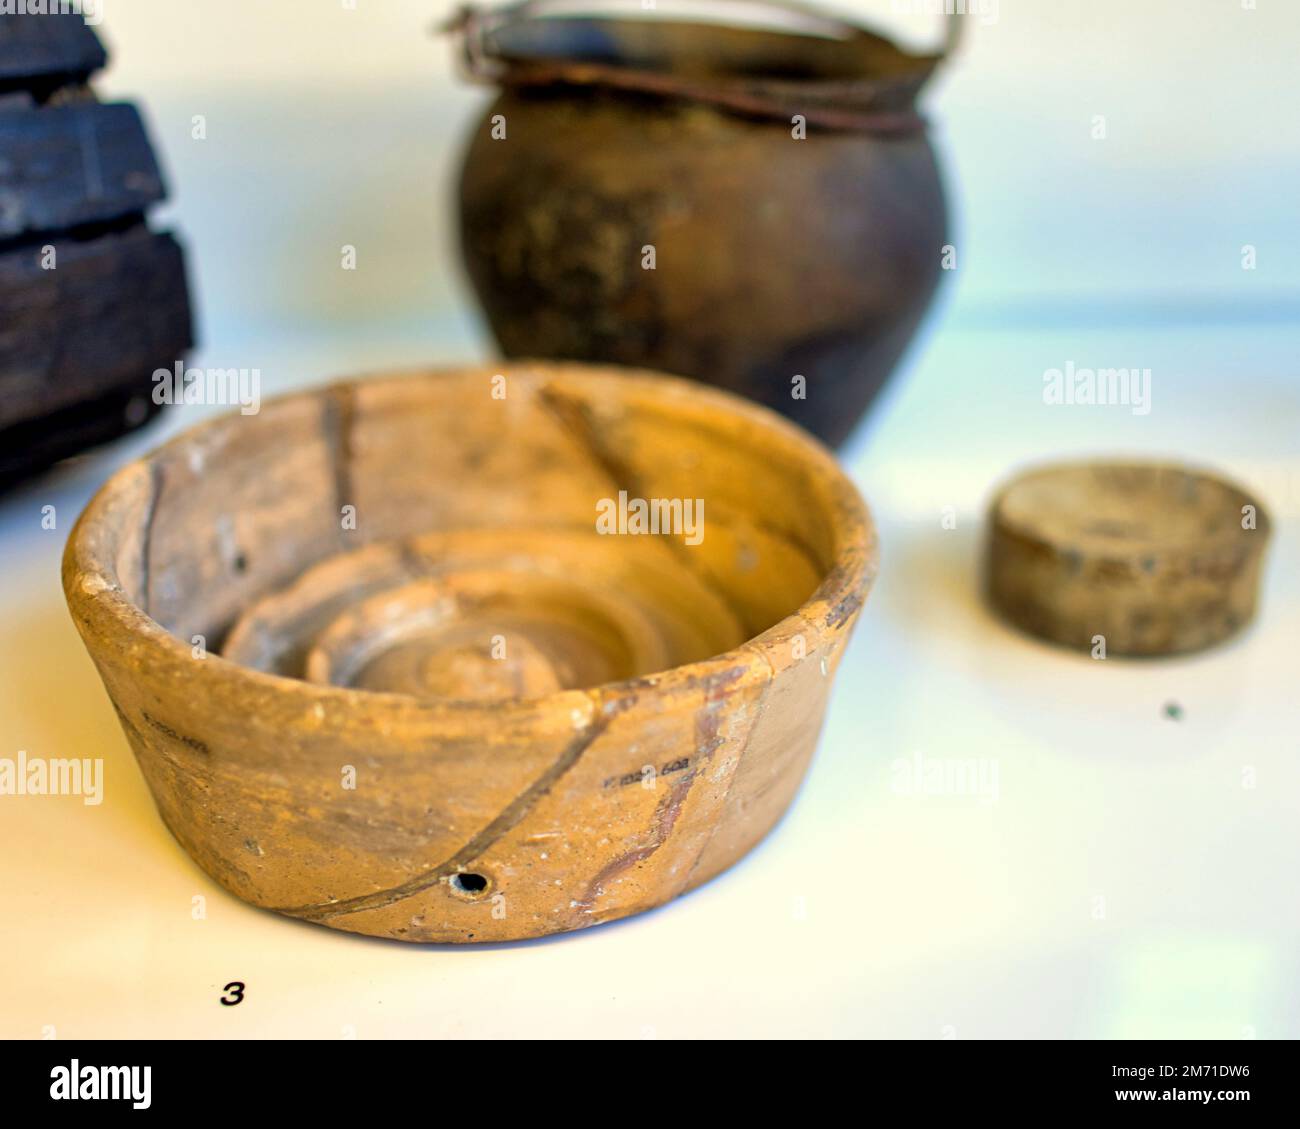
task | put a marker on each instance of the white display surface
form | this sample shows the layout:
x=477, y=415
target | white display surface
x=1131, y=866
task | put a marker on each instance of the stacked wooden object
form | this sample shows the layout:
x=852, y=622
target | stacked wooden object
x=91, y=301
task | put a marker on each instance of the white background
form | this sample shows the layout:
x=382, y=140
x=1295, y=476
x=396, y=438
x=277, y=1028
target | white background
x=867, y=912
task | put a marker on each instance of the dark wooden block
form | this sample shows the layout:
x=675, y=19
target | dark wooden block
x=44, y=48
x=65, y=166
x=79, y=343
x=37, y=444
x=114, y=310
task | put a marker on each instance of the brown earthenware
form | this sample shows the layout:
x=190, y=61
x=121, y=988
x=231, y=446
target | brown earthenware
x=397, y=656
x=757, y=209
x=1126, y=558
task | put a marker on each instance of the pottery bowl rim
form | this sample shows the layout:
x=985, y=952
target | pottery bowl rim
x=114, y=622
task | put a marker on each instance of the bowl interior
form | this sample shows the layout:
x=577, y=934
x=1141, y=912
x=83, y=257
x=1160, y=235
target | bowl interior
x=484, y=535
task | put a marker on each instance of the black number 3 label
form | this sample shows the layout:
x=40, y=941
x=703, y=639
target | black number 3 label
x=236, y=990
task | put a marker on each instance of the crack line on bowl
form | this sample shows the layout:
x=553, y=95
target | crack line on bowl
x=759, y=710
x=336, y=425
x=512, y=814
x=574, y=418
x=662, y=823
x=146, y=537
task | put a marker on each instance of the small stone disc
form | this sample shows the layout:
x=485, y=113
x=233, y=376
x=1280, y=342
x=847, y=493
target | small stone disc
x=1154, y=559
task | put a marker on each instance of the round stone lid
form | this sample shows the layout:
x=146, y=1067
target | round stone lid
x=1133, y=558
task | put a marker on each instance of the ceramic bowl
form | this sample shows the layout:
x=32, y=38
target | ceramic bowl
x=475, y=655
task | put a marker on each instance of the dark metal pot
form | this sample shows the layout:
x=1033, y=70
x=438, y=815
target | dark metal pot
x=639, y=194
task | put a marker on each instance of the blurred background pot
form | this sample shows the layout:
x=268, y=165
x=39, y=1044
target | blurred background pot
x=741, y=205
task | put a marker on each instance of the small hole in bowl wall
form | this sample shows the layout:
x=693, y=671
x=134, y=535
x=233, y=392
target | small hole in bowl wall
x=471, y=884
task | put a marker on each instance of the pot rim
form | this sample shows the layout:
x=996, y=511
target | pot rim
x=103, y=612
x=875, y=96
